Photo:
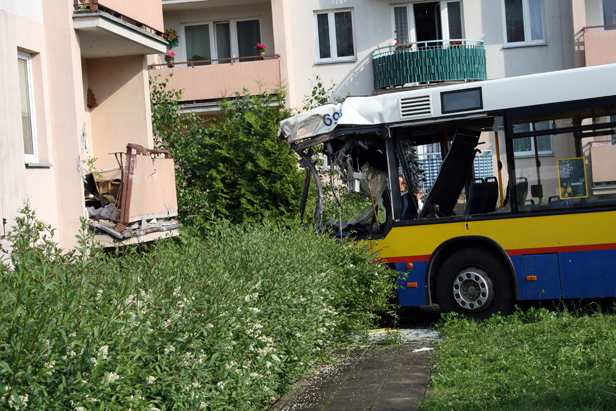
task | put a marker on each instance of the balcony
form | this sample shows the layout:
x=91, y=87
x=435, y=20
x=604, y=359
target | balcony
x=599, y=44
x=429, y=62
x=112, y=28
x=213, y=79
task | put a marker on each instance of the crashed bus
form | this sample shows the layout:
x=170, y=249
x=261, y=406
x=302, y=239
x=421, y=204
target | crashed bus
x=480, y=194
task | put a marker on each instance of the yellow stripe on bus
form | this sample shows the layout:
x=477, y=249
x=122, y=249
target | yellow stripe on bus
x=521, y=233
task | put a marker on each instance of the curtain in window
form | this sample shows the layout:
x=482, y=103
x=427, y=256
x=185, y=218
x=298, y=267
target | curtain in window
x=344, y=34
x=24, y=91
x=401, y=24
x=455, y=20
x=248, y=35
x=223, y=41
x=323, y=32
x=536, y=21
x=514, y=18
x=198, y=42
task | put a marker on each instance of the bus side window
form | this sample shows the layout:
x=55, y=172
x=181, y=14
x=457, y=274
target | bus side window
x=565, y=170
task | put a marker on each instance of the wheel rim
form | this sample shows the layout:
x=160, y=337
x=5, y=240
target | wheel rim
x=473, y=289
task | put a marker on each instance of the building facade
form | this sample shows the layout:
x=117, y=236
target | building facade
x=74, y=81
x=342, y=41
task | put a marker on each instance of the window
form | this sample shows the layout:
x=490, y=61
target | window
x=427, y=21
x=222, y=39
x=525, y=147
x=27, y=108
x=335, y=38
x=524, y=22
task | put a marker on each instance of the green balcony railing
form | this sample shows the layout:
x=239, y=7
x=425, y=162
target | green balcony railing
x=428, y=62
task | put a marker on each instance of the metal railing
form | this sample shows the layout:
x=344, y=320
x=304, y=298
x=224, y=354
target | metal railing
x=228, y=60
x=429, y=61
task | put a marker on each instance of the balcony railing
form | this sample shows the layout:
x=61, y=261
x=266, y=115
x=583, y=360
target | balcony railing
x=213, y=79
x=428, y=62
x=599, y=44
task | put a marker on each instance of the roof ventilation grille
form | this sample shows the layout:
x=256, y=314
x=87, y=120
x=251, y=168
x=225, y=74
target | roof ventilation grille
x=420, y=106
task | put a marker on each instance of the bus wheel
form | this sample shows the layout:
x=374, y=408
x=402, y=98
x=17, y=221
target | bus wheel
x=475, y=283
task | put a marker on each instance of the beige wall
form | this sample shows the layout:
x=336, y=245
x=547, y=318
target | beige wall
x=148, y=12
x=121, y=88
x=60, y=79
x=24, y=33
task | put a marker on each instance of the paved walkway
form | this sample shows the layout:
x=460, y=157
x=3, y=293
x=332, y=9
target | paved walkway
x=383, y=378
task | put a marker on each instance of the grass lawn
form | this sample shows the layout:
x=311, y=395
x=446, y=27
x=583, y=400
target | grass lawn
x=532, y=360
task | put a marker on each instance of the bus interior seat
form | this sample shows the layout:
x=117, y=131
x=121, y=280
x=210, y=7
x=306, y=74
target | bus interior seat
x=491, y=190
x=450, y=180
x=482, y=196
x=521, y=189
x=476, y=194
x=408, y=212
x=556, y=202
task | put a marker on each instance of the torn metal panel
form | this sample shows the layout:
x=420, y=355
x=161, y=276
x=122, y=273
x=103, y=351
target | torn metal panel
x=148, y=185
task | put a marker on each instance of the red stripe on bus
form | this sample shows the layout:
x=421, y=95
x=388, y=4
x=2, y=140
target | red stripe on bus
x=407, y=259
x=563, y=249
x=521, y=251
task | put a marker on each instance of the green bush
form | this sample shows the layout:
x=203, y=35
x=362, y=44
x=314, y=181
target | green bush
x=221, y=322
x=237, y=165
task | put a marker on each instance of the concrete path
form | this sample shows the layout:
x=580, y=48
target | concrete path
x=378, y=378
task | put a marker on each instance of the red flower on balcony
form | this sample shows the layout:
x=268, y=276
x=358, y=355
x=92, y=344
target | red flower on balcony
x=402, y=46
x=169, y=56
x=260, y=48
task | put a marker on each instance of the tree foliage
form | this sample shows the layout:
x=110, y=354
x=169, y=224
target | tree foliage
x=236, y=168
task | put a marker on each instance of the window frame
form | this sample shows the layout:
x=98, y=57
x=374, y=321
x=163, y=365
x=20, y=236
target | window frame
x=531, y=152
x=527, y=28
x=233, y=37
x=412, y=30
x=30, y=158
x=332, y=36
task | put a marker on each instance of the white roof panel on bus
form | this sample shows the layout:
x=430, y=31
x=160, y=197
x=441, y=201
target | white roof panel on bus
x=425, y=103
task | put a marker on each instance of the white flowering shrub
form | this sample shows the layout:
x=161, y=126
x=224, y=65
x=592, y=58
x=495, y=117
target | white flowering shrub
x=224, y=322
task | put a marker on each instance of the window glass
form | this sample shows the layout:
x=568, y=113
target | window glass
x=536, y=22
x=401, y=24
x=455, y=20
x=344, y=34
x=248, y=35
x=198, y=42
x=223, y=41
x=609, y=13
x=524, y=22
x=580, y=173
x=323, y=31
x=27, y=115
x=526, y=145
x=514, y=20
x=335, y=40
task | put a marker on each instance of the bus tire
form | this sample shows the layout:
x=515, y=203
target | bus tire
x=475, y=283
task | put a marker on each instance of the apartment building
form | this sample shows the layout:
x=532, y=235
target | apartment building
x=349, y=42
x=78, y=69
x=74, y=81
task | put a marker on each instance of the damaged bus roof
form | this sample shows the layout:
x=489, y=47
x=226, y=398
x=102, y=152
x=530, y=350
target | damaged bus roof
x=458, y=100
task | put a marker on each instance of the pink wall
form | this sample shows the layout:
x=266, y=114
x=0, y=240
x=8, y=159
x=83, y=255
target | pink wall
x=149, y=12
x=222, y=80
x=599, y=47
x=120, y=85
